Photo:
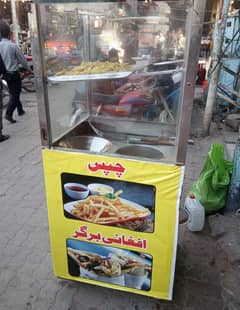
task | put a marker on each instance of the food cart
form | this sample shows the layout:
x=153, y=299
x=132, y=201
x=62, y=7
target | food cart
x=115, y=83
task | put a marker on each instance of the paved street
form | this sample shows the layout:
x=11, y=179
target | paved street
x=26, y=278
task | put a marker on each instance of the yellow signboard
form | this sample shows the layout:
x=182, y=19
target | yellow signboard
x=113, y=222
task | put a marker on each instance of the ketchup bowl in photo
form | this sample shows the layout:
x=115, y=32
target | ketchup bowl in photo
x=76, y=190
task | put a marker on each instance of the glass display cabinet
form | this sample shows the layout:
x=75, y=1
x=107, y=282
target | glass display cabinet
x=115, y=83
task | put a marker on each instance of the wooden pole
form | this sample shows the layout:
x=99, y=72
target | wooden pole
x=214, y=77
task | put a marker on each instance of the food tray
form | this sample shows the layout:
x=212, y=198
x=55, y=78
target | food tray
x=84, y=77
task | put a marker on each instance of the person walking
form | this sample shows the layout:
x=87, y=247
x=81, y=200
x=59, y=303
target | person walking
x=12, y=57
x=2, y=71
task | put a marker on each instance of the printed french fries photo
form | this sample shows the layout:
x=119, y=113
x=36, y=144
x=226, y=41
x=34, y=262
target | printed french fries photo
x=106, y=204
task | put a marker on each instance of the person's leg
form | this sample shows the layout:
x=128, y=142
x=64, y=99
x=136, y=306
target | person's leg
x=13, y=99
x=2, y=137
x=1, y=107
x=19, y=104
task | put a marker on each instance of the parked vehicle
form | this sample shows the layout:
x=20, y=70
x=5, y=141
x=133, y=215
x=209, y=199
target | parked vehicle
x=28, y=81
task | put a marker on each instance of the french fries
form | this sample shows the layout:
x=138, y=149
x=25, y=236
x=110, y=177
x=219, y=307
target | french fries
x=102, y=210
x=96, y=67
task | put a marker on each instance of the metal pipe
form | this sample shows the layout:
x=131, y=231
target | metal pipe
x=194, y=26
x=41, y=77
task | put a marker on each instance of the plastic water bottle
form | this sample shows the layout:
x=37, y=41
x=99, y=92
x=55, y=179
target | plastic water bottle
x=196, y=213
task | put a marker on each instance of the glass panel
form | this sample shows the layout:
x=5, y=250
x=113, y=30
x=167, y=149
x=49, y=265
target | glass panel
x=118, y=66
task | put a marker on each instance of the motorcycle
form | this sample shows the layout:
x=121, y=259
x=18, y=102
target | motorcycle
x=28, y=81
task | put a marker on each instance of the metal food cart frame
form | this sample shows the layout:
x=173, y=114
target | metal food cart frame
x=195, y=22
x=154, y=231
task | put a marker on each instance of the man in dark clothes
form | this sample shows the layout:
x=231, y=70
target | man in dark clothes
x=12, y=57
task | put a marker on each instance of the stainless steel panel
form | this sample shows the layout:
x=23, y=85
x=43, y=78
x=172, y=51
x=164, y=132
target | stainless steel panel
x=88, y=143
x=140, y=151
x=84, y=77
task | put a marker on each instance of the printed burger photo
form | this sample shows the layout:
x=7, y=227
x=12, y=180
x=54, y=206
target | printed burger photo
x=110, y=265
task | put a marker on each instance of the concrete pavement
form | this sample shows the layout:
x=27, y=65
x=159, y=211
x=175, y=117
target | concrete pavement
x=26, y=277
